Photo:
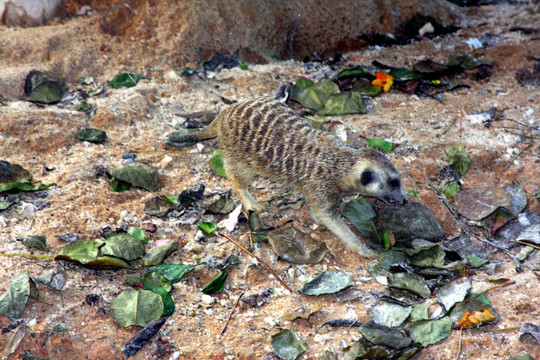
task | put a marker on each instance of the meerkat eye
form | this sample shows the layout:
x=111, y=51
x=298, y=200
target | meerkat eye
x=367, y=177
x=395, y=183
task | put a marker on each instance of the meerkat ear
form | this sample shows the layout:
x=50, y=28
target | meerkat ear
x=367, y=177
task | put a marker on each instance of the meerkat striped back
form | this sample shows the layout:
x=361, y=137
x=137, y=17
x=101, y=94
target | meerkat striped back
x=272, y=140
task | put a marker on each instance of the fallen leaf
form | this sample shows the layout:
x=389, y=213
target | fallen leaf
x=125, y=80
x=328, y=282
x=475, y=318
x=288, y=345
x=296, y=247
x=217, y=284
x=134, y=307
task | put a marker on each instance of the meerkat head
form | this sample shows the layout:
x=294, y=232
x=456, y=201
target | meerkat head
x=374, y=175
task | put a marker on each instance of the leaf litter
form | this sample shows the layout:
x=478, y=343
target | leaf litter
x=409, y=76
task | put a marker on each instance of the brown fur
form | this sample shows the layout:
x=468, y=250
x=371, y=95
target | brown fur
x=264, y=137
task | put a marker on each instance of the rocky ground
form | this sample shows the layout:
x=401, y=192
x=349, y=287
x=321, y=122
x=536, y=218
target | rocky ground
x=138, y=120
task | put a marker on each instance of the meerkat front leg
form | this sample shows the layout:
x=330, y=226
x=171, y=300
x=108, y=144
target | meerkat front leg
x=241, y=190
x=333, y=222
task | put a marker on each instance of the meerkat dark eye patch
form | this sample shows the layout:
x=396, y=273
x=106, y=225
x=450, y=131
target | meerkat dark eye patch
x=395, y=183
x=367, y=177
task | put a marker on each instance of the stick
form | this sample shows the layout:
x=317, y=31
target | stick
x=294, y=293
x=460, y=340
x=526, y=244
x=518, y=155
x=465, y=228
x=232, y=312
x=48, y=257
x=256, y=257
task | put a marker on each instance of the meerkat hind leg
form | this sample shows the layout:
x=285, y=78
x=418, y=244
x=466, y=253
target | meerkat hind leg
x=342, y=231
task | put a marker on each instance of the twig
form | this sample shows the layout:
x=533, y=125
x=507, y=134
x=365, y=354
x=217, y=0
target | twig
x=520, y=123
x=495, y=288
x=518, y=155
x=294, y=293
x=449, y=127
x=232, y=312
x=48, y=257
x=504, y=329
x=460, y=341
x=256, y=257
x=465, y=228
x=526, y=244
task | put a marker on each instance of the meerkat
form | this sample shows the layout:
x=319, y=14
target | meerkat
x=265, y=137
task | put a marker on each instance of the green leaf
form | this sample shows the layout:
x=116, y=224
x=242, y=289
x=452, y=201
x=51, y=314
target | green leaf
x=357, y=72
x=475, y=261
x=467, y=62
x=134, y=307
x=403, y=74
x=92, y=135
x=223, y=205
x=108, y=262
x=450, y=190
x=217, y=284
x=34, y=241
x=18, y=186
x=118, y=186
x=426, y=257
x=379, y=143
x=243, y=66
x=138, y=233
x=217, y=164
x=137, y=174
x=414, y=192
x=13, y=173
x=153, y=280
x=84, y=107
x=172, y=272
x=81, y=251
x=360, y=213
x=458, y=158
x=410, y=282
x=168, y=302
x=21, y=291
x=157, y=255
x=207, y=227
x=48, y=92
x=385, y=239
x=288, y=345
x=428, y=332
x=367, y=90
x=348, y=102
x=312, y=95
x=159, y=206
x=328, y=282
x=123, y=246
x=125, y=80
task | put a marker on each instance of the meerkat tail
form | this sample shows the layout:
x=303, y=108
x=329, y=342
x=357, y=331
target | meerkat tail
x=208, y=132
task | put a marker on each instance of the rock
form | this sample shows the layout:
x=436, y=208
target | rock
x=30, y=12
x=410, y=221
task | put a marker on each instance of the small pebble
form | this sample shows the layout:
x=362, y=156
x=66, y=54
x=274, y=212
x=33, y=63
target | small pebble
x=208, y=300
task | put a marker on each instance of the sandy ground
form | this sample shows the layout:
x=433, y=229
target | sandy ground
x=140, y=118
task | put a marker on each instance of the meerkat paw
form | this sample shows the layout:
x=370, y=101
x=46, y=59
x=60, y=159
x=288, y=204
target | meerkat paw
x=256, y=206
